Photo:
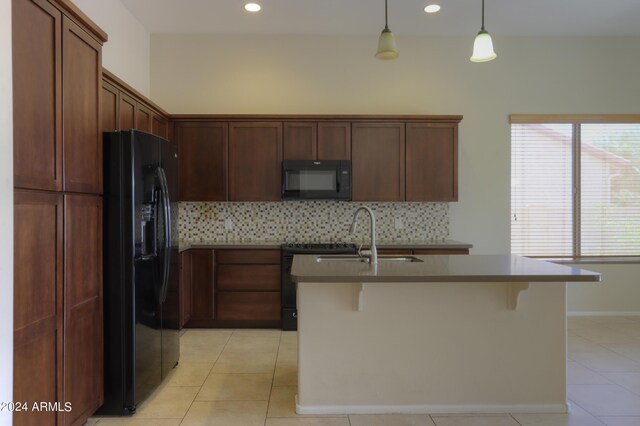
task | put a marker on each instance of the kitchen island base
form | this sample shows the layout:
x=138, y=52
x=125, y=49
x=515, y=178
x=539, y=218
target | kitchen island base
x=431, y=347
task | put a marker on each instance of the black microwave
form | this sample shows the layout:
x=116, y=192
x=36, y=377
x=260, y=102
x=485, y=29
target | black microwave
x=316, y=180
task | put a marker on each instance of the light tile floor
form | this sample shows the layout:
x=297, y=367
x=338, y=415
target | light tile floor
x=249, y=377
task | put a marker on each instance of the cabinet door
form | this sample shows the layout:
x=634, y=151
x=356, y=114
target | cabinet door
x=37, y=95
x=255, y=161
x=201, y=285
x=334, y=141
x=109, y=107
x=185, y=287
x=83, y=336
x=127, y=112
x=432, y=162
x=202, y=159
x=159, y=126
x=300, y=141
x=82, y=73
x=143, y=118
x=37, y=303
x=378, y=161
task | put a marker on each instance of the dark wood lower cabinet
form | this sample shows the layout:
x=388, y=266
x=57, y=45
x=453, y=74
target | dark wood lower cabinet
x=37, y=312
x=83, y=329
x=232, y=287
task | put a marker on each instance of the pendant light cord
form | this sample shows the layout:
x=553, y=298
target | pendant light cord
x=482, y=29
x=386, y=27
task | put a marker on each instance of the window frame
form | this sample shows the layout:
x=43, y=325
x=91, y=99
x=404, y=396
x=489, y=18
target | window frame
x=576, y=120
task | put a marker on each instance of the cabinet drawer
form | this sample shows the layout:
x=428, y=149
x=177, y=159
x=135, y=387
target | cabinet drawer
x=428, y=252
x=250, y=306
x=248, y=256
x=248, y=278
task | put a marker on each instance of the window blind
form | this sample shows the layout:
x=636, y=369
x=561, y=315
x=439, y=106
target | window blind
x=610, y=189
x=542, y=189
x=575, y=189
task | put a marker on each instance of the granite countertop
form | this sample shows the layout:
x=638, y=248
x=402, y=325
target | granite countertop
x=441, y=244
x=442, y=268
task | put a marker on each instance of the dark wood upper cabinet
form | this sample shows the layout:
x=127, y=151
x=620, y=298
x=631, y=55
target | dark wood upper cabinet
x=431, y=162
x=202, y=159
x=83, y=337
x=109, y=108
x=300, y=141
x=334, y=141
x=255, y=161
x=37, y=105
x=127, y=112
x=159, y=125
x=82, y=75
x=37, y=303
x=378, y=156
x=143, y=118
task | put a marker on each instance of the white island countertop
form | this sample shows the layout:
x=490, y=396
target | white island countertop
x=439, y=268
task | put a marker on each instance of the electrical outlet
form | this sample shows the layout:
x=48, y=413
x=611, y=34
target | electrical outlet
x=398, y=223
x=228, y=224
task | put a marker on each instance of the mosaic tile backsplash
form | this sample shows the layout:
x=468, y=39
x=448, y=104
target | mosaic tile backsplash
x=310, y=222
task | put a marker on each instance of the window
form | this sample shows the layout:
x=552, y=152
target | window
x=575, y=186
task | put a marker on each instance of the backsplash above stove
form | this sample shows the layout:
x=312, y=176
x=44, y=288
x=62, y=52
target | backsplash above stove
x=310, y=221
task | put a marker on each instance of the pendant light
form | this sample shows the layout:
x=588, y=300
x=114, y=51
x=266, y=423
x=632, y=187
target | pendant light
x=483, y=45
x=386, y=42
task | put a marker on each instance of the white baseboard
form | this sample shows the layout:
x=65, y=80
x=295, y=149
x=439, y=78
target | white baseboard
x=603, y=314
x=430, y=409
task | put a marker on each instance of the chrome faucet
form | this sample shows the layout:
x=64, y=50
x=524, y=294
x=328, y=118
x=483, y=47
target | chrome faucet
x=372, y=253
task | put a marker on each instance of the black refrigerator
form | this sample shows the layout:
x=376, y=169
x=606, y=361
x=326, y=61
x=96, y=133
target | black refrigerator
x=140, y=267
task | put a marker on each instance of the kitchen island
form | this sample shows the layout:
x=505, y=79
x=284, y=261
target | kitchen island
x=432, y=334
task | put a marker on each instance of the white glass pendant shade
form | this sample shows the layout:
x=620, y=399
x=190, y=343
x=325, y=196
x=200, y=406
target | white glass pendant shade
x=387, y=46
x=483, y=48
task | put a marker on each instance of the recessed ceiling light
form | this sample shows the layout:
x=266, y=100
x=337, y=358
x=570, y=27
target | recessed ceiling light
x=252, y=7
x=432, y=8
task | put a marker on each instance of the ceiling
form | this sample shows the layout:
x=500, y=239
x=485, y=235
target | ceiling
x=366, y=17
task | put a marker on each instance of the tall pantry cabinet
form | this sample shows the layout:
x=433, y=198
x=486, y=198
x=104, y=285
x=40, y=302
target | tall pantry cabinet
x=57, y=66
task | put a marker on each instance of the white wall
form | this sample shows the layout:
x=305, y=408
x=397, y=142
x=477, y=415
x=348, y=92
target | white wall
x=6, y=211
x=126, y=54
x=325, y=75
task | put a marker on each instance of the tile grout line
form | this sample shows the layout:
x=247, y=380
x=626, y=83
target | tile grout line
x=266, y=415
x=200, y=388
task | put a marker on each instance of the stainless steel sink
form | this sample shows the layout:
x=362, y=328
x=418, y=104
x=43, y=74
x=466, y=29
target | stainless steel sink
x=348, y=258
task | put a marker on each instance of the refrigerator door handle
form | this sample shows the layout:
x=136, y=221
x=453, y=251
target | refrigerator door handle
x=166, y=210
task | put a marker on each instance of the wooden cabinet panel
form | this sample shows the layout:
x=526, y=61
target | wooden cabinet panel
x=400, y=252
x=248, y=277
x=159, y=126
x=84, y=366
x=378, y=157
x=37, y=305
x=334, y=141
x=244, y=256
x=185, y=287
x=82, y=66
x=143, y=118
x=248, y=306
x=109, y=108
x=202, y=157
x=202, y=284
x=432, y=162
x=428, y=252
x=300, y=141
x=37, y=104
x=83, y=337
x=127, y=112
x=255, y=161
